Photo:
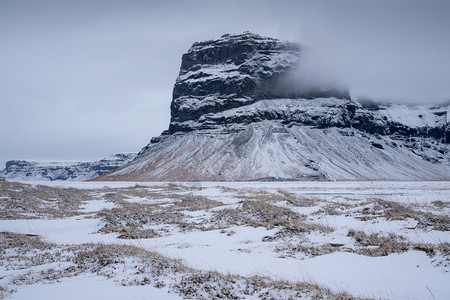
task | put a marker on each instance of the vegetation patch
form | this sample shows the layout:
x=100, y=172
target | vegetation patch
x=131, y=220
x=396, y=211
x=299, y=228
x=264, y=214
x=376, y=244
x=131, y=265
x=25, y=201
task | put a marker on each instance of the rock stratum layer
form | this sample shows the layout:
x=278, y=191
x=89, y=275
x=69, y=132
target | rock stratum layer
x=234, y=117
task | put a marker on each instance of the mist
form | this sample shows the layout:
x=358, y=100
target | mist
x=388, y=51
x=81, y=80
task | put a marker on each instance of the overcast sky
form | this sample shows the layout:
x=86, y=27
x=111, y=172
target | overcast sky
x=80, y=80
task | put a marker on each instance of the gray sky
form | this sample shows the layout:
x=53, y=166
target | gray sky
x=80, y=80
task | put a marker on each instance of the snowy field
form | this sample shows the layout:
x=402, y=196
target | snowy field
x=211, y=240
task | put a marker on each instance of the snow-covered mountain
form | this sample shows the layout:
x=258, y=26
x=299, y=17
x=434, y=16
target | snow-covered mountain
x=238, y=113
x=23, y=170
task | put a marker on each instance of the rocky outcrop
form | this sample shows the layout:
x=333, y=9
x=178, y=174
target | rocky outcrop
x=234, y=71
x=23, y=170
x=238, y=113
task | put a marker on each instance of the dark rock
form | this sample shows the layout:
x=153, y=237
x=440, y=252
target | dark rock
x=377, y=145
x=240, y=70
x=234, y=71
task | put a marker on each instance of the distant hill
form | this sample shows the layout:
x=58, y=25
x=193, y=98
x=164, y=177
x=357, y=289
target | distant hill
x=23, y=170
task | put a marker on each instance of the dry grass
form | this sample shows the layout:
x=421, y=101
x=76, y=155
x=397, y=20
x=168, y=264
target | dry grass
x=441, y=204
x=279, y=196
x=288, y=249
x=131, y=265
x=169, y=191
x=376, y=244
x=265, y=214
x=132, y=220
x=397, y=211
x=24, y=201
x=20, y=251
x=143, y=212
x=213, y=285
x=96, y=258
x=193, y=203
x=298, y=201
x=22, y=242
x=136, y=233
x=332, y=208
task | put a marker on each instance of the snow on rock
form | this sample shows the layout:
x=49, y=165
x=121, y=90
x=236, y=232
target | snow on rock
x=268, y=150
x=233, y=71
x=234, y=117
x=24, y=170
x=418, y=116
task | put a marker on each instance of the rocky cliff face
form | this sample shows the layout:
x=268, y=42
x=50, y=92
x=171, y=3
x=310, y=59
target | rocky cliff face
x=233, y=117
x=235, y=71
x=48, y=171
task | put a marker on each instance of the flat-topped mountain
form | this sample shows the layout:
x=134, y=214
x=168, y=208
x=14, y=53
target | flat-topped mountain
x=237, y=113
x=235, y=71
x=24, y=170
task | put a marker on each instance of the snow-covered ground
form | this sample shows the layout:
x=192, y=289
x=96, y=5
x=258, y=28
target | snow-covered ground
x=92, y=240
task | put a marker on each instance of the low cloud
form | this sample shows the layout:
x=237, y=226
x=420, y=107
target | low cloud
x=392, y=51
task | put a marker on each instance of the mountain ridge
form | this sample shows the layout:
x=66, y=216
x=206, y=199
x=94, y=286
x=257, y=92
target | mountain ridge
x=32, y=170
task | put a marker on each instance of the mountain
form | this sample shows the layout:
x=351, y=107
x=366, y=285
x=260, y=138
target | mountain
x=23, y=170
x=239, y=113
